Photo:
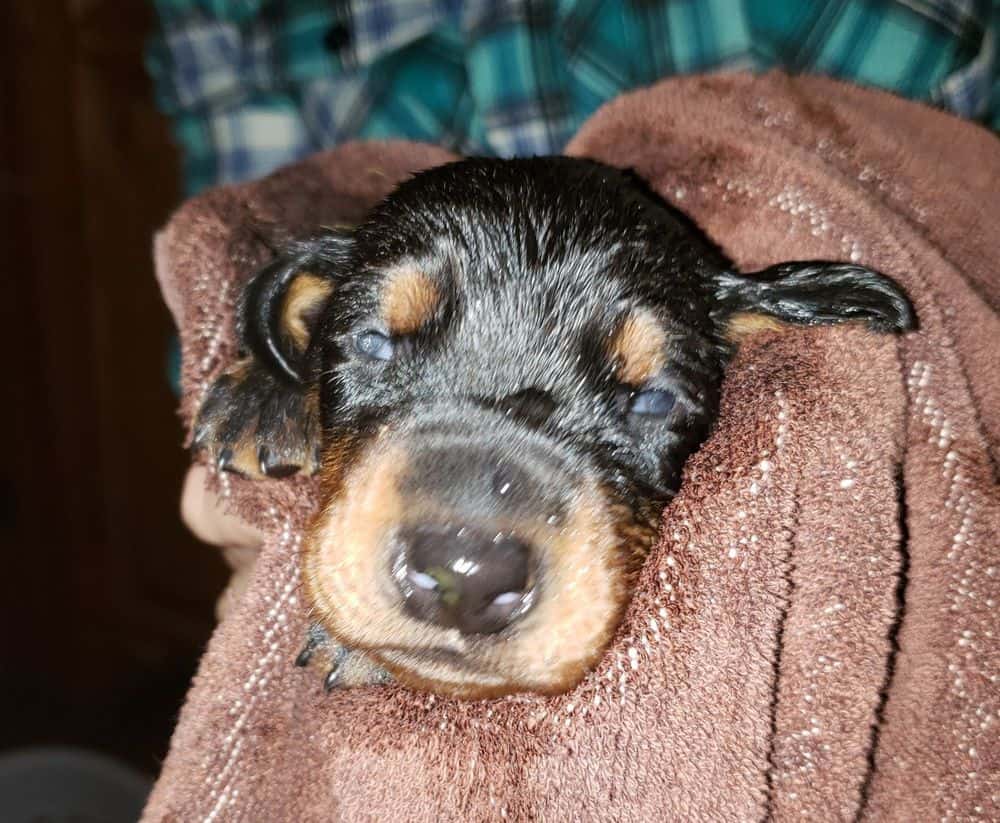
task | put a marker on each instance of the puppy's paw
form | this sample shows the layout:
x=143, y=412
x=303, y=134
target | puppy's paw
x=257, y=424
x=342, y=668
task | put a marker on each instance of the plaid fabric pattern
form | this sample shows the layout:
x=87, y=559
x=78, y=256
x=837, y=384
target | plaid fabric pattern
x=253, y=84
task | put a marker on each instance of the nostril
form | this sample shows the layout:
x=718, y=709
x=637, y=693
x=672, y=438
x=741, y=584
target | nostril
x=503, y=567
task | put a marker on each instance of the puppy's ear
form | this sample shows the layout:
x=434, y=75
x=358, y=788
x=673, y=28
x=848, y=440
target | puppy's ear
x=810, y=293
x=281, y=305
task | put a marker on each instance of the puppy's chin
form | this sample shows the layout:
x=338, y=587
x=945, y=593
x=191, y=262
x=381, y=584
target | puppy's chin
x=580, y=593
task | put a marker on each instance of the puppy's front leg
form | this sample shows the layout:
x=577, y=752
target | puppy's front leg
x=260, y=418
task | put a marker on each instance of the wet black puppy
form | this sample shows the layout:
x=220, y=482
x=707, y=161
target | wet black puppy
x=498, y=377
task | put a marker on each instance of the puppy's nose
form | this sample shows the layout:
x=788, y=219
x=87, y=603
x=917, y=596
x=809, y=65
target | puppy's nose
x=461, y=578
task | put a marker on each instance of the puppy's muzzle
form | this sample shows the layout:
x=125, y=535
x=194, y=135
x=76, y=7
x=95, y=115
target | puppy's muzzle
x=472, y=560
x=458, y=549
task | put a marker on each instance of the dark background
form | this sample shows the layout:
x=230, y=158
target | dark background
x=107, y=601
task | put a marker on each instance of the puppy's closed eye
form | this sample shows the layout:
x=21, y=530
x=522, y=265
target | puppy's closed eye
x=375, y=345
x=652, y=403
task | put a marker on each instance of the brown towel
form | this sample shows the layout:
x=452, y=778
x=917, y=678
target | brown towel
x=815, y=636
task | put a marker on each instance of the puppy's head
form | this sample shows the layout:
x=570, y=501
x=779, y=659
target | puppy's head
x=514, y=363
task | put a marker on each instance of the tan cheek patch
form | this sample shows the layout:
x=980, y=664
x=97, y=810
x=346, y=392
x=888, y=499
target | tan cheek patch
x=745, y=324
x=303, y=301
x=337, y=460
x=342, y=556
x=410, y=300
x=587, y=594
x=637, y=532
x=637, y=348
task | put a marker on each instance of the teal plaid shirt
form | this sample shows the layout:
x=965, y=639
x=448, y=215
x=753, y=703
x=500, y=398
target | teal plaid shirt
x=253, y=84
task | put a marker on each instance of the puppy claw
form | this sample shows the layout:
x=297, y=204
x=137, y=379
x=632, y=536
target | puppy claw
x=316, y=638
x=306, y=654
x=337, y=659
x=272, y=466
x=347, y=669
x=330, y=681
x=224, y=462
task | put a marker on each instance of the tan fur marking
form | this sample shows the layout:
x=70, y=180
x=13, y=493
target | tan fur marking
x=409, y=301
x=342, y=563
x=238, y=371
x=744, y=324
x=637, y=348
x=244, y=458
x=305, y=295
x=336, y=462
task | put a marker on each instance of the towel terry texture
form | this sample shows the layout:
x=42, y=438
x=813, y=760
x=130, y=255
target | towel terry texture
x=814, y=637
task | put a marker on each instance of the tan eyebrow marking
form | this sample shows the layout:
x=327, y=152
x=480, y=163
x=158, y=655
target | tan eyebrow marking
x=304, y=298
x=637, y=348
x=409, y=300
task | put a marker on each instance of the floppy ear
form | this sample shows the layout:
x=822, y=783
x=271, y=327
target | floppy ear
x=281, y=304
x=811, y=293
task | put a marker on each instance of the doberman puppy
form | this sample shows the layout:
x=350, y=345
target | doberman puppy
x=498, y=376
